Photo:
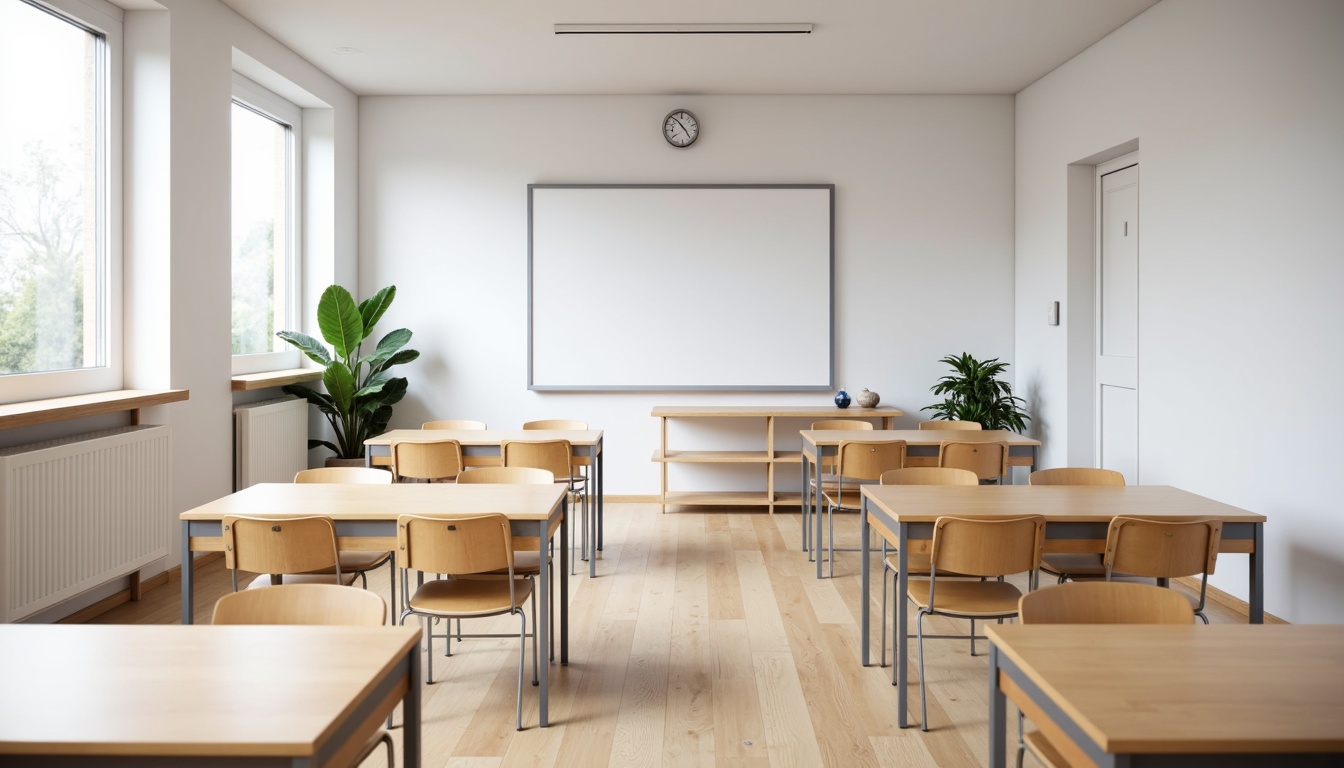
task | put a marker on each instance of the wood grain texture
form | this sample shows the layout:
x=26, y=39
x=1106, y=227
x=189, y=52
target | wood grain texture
x=35, y=412
x=707, y=640
x=249, y=381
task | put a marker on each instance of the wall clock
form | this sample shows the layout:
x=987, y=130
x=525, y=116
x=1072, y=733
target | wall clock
x=680, y=128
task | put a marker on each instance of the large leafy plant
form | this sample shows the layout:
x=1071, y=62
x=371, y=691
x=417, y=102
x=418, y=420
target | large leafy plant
x=360, y=388
x=973, y=392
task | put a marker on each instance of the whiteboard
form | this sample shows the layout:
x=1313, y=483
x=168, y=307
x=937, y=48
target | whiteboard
x=680, y=287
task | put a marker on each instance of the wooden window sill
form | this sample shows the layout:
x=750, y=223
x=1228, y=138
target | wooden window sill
x=250, y=381
x=34, y=412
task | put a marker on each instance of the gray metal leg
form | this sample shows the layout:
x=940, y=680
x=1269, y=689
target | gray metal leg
x=410, y=711
x=188, y=576
x=544, y=615
x=865, y=577
x=597, y=463
x=902, y=621
x=564, y=593
x=998, y=707
x=1256, y=607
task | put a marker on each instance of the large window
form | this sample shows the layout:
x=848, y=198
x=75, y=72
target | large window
x=265, y=236
x=57, y=233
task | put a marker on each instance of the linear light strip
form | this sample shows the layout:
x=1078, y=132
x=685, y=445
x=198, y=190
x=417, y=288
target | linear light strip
x=683, y=29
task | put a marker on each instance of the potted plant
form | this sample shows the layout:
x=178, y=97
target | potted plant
x=973, y=392
x=360, y=388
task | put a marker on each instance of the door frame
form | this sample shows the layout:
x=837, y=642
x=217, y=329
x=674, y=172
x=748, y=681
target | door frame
x=1102, y=169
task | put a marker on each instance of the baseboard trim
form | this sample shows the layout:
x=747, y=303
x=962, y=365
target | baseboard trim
x=135, y=591
x=1228, y=601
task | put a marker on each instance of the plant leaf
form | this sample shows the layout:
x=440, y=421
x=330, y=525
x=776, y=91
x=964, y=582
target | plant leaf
x=340, y=384
x=388, y=345
x=340, y=322
x=372, y=308
x=314, y=349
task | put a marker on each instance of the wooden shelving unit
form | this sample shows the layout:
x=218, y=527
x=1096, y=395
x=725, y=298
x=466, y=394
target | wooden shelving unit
x=767, y=457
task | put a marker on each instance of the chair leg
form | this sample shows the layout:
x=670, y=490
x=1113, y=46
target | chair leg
x=830, y=541
x=522, y=652
x=429, y=650
x=883, y=663
x=535, y=645
x=972, y=637
x=923, y=699
x=1021, y=742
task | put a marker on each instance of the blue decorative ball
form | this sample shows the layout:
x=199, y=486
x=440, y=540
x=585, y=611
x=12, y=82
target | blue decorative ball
x=842, y=399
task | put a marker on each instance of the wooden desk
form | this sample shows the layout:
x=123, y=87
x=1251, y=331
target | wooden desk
x=1076, y=520
x=366, y=519
x=1222, y=695
x=163, y=695
x=480, y=448
x=921, y=451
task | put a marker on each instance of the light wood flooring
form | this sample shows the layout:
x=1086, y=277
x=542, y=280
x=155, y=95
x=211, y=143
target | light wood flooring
x=705, y=640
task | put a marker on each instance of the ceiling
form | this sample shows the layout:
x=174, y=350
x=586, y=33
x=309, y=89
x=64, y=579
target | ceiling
x=856, y=46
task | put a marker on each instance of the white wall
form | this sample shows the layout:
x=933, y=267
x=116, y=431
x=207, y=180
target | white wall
x=923, y=210
x=1238, y=109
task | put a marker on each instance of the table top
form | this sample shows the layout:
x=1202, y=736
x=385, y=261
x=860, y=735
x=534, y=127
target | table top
x=584, y=437
x=341, y=501
x=799, y=411
x=833, y=437
x=186, y=691
x=1190, y=689
x=1059, y=503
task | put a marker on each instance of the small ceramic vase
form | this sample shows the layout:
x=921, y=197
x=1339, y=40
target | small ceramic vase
x=867, y=399
x=842, y=399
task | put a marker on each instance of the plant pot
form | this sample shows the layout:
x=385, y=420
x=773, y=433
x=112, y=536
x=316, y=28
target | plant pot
x=336, y=461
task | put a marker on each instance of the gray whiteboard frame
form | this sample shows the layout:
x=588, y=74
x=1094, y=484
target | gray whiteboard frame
x=830, y=300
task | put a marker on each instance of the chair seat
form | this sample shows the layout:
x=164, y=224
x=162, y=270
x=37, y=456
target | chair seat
x=969, y=599
x=264, y=580
x=1081, y=564
x=470, y=597
x=1045, y=752
x=916, y=562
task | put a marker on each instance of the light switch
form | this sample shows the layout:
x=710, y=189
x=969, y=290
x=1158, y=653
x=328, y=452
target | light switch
x=1052, y=313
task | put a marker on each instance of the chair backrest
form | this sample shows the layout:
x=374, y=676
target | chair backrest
x=977, y=547
x=435, y=460
x=279, y=545
x=551, y=455
x=832, y=424
x=868, y=459
x=929, y=476
x=507, y=475
x=1162, y=549
x=457, y=546
x=570, y=424
x=302, y=604
x=950, y=424
x=1105, y=602
x=351, y=475
x=989, y=461
x=1076, y=476
x=454, y=424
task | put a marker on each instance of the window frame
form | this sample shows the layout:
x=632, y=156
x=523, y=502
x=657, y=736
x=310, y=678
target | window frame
x=103, y=20
x=265, y=102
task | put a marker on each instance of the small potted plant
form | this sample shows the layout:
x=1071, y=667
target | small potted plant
x=973, y=392
x=360, y=388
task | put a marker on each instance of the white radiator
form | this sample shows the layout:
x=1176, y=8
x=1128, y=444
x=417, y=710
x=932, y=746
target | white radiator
x=80, y=511
x=270, y=441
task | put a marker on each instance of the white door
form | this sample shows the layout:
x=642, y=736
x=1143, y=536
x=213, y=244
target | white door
x=1117, y=304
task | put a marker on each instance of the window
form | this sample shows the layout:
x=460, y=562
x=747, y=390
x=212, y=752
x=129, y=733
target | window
x=59, y=232
x=265, y=229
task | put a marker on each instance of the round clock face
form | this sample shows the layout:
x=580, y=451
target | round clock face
x=680, y=128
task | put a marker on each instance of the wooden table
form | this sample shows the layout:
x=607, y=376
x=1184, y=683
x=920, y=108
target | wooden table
x=366, y=519
x=1076, y=520
x=166, y=695
x=921, y=451
x=1223, y=695
x=480, y=448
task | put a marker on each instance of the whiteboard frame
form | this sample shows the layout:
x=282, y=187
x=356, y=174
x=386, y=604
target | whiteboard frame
x=532, y=385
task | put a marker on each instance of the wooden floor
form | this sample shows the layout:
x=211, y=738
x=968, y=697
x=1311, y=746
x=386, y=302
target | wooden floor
x=705, y=640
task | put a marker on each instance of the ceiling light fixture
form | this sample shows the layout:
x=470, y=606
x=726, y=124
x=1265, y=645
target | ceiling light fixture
x=683, y=29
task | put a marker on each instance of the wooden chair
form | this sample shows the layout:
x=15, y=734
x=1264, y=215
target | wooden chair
x=290, y=550
x=857, y=462
x=357, y=562
x=825, y=477
x=461, y=547
x=555, y=456
x=917, y=563
x=1068, y=565
x=433, y=462
x=974, y=547
x=1092, y=602
x=950, y=424
x=454, y=424
x=325, y=604
x=569, y=424
x=1163, y=550
x=989, y=461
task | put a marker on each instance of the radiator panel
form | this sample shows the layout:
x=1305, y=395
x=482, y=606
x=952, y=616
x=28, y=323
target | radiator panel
x=80, y=511
x=270, y=441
